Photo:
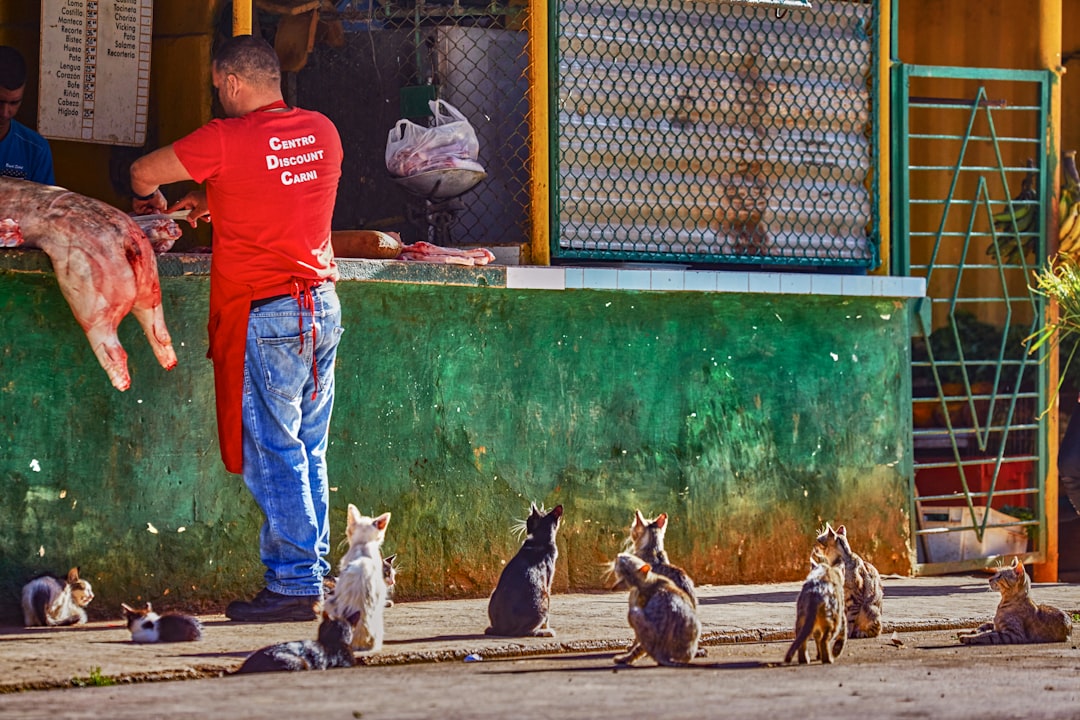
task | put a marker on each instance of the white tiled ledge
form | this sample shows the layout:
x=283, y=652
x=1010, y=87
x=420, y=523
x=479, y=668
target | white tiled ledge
x=598, y=278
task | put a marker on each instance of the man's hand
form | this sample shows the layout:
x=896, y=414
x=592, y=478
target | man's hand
x=195, y=203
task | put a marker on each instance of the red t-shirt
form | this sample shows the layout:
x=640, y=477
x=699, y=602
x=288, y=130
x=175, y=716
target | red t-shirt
x=271, y=181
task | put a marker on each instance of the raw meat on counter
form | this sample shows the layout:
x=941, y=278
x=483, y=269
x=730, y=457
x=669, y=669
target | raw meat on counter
x=10, y=235
x=104, y=264
x=161, y=230
x=426, y=252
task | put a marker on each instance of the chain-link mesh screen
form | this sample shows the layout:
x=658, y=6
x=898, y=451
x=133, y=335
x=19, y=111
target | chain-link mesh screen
x=375, y=63
x=716, y=132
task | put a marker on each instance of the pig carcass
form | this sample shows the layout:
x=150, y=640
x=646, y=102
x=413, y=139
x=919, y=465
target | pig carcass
x=104, y=264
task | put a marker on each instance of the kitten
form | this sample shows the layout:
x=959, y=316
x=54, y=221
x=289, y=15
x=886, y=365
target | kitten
x=820, y=612
x=863, y=591
x=147, y=626
x=1018, y=618
x=331, y=650
x=519, y=604
x=662, y=615
x=47, y=600
x=647, y=541
x=389, y=574
x=359, y=595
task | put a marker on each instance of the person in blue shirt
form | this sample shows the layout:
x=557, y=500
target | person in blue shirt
x=23, y=153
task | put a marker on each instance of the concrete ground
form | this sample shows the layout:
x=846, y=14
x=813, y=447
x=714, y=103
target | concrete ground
x=432, y=631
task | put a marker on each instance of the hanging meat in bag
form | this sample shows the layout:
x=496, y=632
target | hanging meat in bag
x=104, y=265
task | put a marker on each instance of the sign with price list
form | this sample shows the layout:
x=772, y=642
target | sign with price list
x=95, y=70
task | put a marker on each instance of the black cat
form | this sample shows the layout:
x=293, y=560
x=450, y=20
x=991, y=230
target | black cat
x=331, y=650
x=519, y=604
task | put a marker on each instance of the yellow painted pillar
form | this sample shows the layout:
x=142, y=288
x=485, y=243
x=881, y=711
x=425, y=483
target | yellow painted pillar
x=241, y=17
x=884, y=129
x=539, y=137
x=1050, y=58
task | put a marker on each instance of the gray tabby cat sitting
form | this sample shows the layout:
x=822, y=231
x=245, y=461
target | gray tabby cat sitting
x=647, y=542
x=662, y=614
x=1018, y=618
x=863, y=592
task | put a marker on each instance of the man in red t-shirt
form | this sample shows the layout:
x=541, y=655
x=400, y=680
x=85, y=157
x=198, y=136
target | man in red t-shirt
x=271, y=174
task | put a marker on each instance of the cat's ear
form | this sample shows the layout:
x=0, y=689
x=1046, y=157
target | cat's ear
x=1018, y=566
x=389, y=559
x=149, y=607
x=533, y=510
x=842, y=531
x=645, y=568
x=382, y=521
x=73, y=576
x=639, y=519
x=661, y=520
x=556, y=512
x=352, y=517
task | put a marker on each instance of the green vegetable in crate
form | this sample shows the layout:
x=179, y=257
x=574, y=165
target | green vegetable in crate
x=1018, y=226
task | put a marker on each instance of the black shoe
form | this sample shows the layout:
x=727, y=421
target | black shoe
x=270, y=606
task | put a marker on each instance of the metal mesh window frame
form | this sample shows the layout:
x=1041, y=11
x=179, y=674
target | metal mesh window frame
x=633, y=180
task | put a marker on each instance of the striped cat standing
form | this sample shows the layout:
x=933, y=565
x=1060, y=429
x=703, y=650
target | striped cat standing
x=863, y=592
x=1019, y=619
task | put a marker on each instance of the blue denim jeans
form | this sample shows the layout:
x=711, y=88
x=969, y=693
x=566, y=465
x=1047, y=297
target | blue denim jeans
x=286, y=425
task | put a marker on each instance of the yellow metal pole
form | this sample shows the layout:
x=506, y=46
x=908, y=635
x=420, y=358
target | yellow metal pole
x=884, y=130
x=540, y=185
x=241, y=17
x=1050, y=58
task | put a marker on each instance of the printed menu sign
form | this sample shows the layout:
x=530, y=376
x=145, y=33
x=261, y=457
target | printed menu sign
x=95, y=70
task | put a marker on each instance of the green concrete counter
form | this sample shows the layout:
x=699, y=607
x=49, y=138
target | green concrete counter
x=751, y=407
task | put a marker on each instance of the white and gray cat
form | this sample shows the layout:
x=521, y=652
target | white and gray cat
x=360, y=591
x=147, y=626
x=50, y=601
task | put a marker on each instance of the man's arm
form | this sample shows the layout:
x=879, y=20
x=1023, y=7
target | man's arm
x=149, y=172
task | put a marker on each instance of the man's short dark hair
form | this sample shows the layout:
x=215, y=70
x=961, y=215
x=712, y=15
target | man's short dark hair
x=12, y=68
x=249, y=57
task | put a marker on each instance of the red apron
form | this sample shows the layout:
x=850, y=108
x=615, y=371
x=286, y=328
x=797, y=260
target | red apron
x=230, y=306
x=230, y=310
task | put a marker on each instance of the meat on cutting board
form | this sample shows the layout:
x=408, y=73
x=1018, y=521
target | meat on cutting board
x=104, y=264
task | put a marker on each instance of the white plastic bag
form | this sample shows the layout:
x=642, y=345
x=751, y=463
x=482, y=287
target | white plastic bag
x=450, y=142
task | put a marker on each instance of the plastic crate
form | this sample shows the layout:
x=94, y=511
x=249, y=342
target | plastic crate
x=944, y=546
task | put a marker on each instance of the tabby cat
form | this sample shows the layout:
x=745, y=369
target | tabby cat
x=519, y=604
x=48, y=600
x=663, y=616
x=820, y=612
x=1018, y=618
x=359, y=595
x=647, y=541
x=863, y=591
x=331, y=650
x=147, y=626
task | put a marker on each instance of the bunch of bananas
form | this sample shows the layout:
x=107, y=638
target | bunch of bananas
x=1069, y=208
x=1018, y=227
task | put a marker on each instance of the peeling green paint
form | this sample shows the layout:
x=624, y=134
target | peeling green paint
x=749, y=419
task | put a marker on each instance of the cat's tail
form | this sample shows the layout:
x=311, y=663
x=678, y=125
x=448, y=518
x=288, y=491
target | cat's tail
x=802, y=632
